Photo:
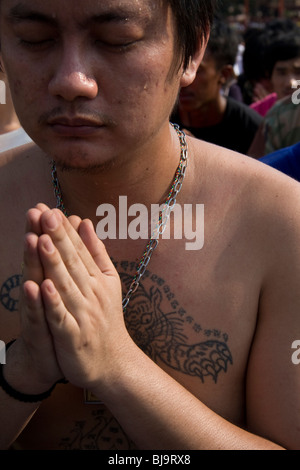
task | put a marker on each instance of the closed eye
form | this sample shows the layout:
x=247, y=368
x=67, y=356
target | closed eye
x=121, y=46
x=37, y=44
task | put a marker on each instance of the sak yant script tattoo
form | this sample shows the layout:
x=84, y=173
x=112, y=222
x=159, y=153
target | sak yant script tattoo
x=9, y=293
x=156, y=322
x=159, y=333
x=101, y=432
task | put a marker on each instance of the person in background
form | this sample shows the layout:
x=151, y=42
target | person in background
x=282, y=136
x=279, y=129
x=11, y=133
x=231, y=88
x=286, y=160
x=203, y=110
x=253, y=81
x=282, y=66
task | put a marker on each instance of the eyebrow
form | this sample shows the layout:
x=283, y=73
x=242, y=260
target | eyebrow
x=21, y=12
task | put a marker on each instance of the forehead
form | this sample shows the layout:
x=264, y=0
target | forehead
x=78, y=11
x=289, y=64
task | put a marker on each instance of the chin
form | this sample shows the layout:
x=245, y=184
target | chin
x=82, y=161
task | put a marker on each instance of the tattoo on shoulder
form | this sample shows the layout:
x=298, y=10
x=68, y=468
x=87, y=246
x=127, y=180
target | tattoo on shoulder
x=9, y=292
x=156, y=322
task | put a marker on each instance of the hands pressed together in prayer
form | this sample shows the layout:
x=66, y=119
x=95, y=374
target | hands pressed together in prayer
x=72, y=322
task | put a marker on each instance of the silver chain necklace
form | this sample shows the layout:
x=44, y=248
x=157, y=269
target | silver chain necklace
x=163, y=216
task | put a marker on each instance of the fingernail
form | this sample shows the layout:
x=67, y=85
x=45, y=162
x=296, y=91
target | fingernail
x=48, y=245
x=51, y=222
x=50, y=288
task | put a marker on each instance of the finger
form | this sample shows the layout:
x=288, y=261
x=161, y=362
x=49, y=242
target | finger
x=68, y=243
x=35, y=213
x=36, y=333
x=70, y=340
x=96, y=247
x=32, y=301
x=60, y=321
x=33, y=218
x=32, y=266
x=32, y=314
x=75, y=221
x=42, y=207
x=56, y=269
x=33, y=221
x=69, y=278
x=64, y=328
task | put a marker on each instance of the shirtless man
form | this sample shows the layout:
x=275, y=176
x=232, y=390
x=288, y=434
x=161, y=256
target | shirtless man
x=203, y=359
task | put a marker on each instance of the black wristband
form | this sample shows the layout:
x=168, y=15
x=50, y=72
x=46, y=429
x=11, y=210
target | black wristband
x=23, y=396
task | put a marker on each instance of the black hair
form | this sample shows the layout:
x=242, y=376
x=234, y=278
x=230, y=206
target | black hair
x=256, y=41
x=193, y=22
x=223, y=44
x=285, y=47
x=264, y=47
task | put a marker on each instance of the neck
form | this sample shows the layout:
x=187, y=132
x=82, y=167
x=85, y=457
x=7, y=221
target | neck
x=205, y=115
x=145, y=180
x=8, y=119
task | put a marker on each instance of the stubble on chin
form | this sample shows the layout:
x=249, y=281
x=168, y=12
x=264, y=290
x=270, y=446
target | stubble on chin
x=82, y=165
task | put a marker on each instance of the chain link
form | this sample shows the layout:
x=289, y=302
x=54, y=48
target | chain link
x=164, y=214
x=163, y=217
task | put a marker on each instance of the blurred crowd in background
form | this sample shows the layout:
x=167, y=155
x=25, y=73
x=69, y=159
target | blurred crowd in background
x=247, y=90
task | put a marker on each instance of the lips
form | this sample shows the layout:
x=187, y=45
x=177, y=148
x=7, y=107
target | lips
x=74, y=127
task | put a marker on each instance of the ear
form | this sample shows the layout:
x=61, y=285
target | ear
x=189, y=74
x=226, y=74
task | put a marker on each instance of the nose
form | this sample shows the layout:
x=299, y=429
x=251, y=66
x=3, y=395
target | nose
x=292, y=81
x=295, y=83
x=72, y=78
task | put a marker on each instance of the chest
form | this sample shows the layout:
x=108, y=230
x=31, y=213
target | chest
x=193, y=313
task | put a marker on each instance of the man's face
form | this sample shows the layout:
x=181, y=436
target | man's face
x=90, y=80
x=284, y=76
x=205, y=88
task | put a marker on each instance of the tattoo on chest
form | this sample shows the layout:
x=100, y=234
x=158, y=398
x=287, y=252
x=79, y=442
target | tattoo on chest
x=102, y=433
x=156, y=322
x=9, y=293
x=156, y=330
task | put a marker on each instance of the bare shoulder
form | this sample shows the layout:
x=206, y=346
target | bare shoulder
x=25, y=175
x=25, y=180
x=20, y=162
x=252, y=182
x=259, y=198
x=266, y=203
